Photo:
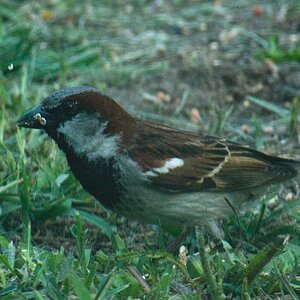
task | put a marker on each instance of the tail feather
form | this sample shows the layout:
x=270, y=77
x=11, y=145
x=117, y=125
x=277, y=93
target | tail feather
x=293, y=166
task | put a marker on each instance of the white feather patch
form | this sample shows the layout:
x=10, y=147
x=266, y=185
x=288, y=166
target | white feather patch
x=85, y=133
x=170, y=164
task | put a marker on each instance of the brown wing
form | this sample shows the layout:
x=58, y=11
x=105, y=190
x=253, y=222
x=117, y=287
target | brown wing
x=209, y=163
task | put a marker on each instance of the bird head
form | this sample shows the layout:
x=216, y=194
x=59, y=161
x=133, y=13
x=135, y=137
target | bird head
x=81, y=118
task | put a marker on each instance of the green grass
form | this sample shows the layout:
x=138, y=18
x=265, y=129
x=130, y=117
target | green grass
x=277, y=54
x=130, y=50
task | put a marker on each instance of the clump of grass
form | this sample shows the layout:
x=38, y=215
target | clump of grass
x=277, y=54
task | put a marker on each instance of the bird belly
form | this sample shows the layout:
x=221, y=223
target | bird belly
x=165, y=208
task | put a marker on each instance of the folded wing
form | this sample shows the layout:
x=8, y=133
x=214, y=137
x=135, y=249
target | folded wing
x=183, y=161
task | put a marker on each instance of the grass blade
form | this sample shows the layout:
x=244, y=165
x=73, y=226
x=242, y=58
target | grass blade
x=282, y=112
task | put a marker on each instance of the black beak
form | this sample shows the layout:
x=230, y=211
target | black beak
x=36, y=118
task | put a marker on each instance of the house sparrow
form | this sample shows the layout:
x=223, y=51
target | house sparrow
x=148, y=171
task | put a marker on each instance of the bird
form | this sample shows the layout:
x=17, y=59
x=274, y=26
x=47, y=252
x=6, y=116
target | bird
x=151, y=172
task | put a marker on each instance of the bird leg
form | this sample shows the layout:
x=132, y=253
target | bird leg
x=173, y=246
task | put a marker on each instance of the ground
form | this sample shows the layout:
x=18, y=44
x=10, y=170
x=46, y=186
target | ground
x=227, y=68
